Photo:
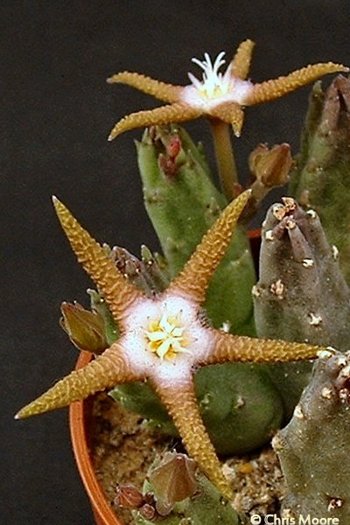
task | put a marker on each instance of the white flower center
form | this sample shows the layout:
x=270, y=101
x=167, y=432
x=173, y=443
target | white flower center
x=215, y=88
x=213, y=84
x=165, y=337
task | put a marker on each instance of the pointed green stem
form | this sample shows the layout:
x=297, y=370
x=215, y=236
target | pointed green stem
x=225, y=158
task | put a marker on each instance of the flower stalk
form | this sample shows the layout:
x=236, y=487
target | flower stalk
x=225, y=159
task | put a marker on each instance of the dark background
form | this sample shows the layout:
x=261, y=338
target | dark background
x=56, y=112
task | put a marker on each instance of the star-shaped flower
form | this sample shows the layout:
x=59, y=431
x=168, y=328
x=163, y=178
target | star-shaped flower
x=164, y=339
x=217, y=96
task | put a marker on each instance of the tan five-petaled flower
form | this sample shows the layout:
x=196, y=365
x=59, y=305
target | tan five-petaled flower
x=164, y=339
x=217, y=96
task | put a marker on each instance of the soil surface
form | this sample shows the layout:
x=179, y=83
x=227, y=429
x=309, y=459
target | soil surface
x=123, y=448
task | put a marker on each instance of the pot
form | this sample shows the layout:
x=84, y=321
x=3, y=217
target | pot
x=79, y=415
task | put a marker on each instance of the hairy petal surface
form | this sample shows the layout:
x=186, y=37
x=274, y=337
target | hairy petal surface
x=275, y=88
x=160, y=90
x=105, y=371
x=117, y=291
x=194, y=279
x=177, y=112
x=182, y=405
x=240, y=64
x=232, y=114
x=229, y=347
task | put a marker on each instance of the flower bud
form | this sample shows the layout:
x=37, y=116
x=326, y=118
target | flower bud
x=85, y=329
x=271, y=166
x=128, y=497
x=173, y=479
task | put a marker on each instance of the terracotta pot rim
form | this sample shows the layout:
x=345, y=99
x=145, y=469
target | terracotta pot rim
x=77, y=422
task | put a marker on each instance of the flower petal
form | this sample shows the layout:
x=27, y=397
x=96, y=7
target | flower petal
x=272, y=89
x=160, y=90
x=117, y=291
x=105, y=371
x=231, y=113
x=194, y=279
x=182, y=405
x=240, y=65
x=164, y=115
x=228, y=347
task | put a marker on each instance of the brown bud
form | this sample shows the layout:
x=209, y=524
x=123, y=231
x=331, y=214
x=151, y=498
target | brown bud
x=271, y=166
x=169, y=147
x=146, y=274
x=84, y=328
x=173, y=479
x=128, y=497
x=168, y=165
x=148, y=512
x=336, y=109
x=127, y=264
x=173, y=147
